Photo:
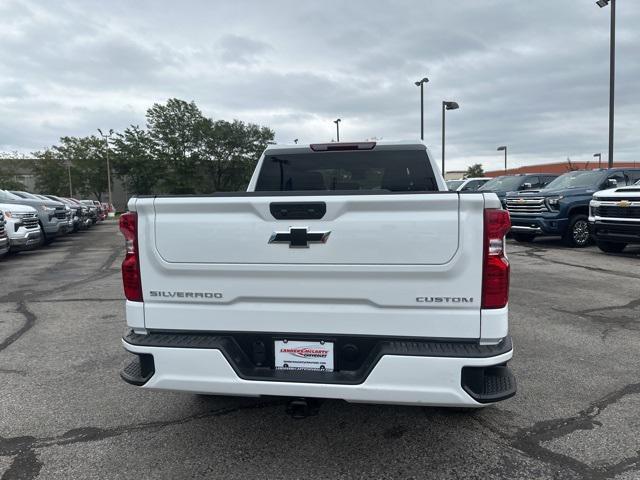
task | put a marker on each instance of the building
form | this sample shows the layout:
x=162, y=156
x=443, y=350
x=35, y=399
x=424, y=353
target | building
x=454, y=174
x=558, y=167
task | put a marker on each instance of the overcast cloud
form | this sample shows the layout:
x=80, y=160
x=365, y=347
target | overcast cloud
x=531, y=75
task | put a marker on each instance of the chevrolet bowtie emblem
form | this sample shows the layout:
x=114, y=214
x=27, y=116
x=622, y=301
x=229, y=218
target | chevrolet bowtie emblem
x=624, y=203
x=299, y=237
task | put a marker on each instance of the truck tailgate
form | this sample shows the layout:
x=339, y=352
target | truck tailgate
x=373, y=264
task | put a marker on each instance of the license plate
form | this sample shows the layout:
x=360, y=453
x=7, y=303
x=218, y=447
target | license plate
x=303, y=355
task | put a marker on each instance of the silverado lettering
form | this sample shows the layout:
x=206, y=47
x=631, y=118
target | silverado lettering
x=160, y=293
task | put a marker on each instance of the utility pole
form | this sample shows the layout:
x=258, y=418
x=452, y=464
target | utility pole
x=106, y=141
x=500, y=149
x=612, y=72
x=69, y=172
x=446, y=106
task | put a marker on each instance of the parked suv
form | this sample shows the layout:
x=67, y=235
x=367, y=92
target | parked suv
x=514, y=183
x=52, y=215
x=614, y=218
x=562, y=208
x=22, y=226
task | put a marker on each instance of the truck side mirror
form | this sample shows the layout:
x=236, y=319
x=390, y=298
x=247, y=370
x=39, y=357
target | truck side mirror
x=526, y=186
x=612, y=182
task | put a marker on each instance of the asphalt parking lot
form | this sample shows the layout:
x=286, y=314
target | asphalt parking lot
x=65, y=413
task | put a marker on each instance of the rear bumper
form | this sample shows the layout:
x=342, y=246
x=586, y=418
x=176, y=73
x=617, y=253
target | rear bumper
x=410, y=373
x=615, y=231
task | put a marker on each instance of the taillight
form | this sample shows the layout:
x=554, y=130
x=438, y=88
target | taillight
x=131, y=263
x=495, y=270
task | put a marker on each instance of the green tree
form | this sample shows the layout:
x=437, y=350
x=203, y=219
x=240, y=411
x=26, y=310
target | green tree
x=51, y=174
x=9, y=169
x=231, y=152
x=182, y=151
x=474, y=170
x=8, y=181
x=177, y=130
x=134, y=161
x=87, y=156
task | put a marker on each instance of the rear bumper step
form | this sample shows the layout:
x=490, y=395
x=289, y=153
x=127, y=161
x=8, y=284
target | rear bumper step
x=139, y=370
x=489, y=384
x=393, y=346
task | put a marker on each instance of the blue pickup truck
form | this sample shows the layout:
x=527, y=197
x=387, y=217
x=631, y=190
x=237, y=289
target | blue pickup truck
x=517, y=183
x=562, y=207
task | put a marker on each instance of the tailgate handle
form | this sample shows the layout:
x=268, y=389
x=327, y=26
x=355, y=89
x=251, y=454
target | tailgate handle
x=298, y=211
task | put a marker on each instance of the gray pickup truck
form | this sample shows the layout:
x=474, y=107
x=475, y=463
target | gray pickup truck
x=54, y=217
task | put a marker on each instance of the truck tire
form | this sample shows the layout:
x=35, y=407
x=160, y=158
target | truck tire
x=523, y=237
x=610, y=247
x=577, y=234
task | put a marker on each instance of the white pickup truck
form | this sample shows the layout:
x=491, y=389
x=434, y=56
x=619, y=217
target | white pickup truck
x=614, y=217
x=346, y=271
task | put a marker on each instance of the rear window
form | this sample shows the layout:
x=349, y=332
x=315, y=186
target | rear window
x=502, y=184
x=577, y=179
x=385, y=170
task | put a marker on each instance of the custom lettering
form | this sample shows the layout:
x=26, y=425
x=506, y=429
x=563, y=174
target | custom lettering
x=444, y=299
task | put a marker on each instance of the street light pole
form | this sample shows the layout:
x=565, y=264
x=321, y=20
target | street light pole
x=337, y=122
x=106, y=141
x=69, y=172
x=599, y=155
x=500, y=149
x=612, y=72
x=446, y=106
x=420, y=83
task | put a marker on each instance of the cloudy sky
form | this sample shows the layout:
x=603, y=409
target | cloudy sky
x=529, y=74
